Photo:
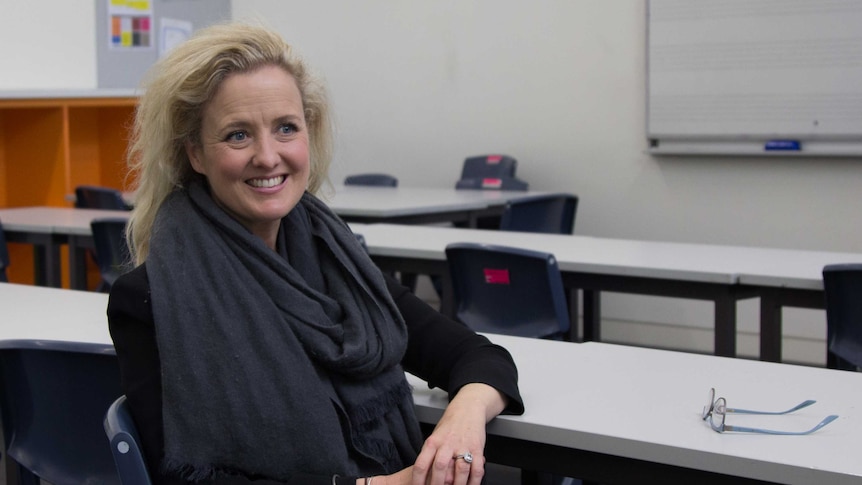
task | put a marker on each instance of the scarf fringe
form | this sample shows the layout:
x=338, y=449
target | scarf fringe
x=188, y=471
x=369, y=411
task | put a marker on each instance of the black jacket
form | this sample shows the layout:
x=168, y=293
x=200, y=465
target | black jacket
x=443, y=352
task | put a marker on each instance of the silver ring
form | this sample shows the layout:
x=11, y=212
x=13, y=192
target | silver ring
x=467, y=457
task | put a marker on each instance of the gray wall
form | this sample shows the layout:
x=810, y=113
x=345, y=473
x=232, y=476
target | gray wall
x=560, y=85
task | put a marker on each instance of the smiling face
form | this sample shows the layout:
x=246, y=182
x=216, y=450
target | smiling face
x=253, y=148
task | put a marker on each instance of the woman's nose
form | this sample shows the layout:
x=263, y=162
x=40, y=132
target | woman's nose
x=266, y=152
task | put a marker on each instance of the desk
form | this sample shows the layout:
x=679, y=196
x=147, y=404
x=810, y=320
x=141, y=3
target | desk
x=416, y=205
x=784, y=277
x=635, y=414
x=47, y=228
x=36, y=312
x=694, y=271
x=635, y=417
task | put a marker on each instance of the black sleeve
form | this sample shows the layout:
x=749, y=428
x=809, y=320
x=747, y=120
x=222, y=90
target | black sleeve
x=447, y=354
x=130, y=320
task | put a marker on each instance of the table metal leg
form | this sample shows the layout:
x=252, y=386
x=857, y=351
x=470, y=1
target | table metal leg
x=725, y=325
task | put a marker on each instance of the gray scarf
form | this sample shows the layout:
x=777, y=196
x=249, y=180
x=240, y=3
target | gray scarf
x=273, y=363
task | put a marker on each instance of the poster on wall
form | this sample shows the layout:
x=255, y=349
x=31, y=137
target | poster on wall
x=173, y=32
x=130, y=24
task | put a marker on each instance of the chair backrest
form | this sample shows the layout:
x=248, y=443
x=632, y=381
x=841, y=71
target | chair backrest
x=489, y=166
x=95, y=197
x=126, y=444
x=378, y=179
x=842, y=285
x=550, y=213
x=506, y=290
x=53, y=399
x=111, y=250
x=492, y=183
x=4, y=255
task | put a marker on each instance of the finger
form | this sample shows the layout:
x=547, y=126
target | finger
x=422, y=466
x=477, y=470
x=462, y=469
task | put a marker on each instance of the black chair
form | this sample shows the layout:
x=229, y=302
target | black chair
x=489, y=166
x=505, y=290
x=376, y=179
x=52, y=401
x=95, y=197
x=842, y=285
x=126, y=444
x=492, y=183
x=549, y=213
x=4, y=256
x=111, y=252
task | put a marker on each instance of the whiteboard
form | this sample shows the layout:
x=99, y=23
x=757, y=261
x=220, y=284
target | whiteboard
x=770, y=77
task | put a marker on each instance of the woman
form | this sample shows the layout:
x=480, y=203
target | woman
x=257, y=341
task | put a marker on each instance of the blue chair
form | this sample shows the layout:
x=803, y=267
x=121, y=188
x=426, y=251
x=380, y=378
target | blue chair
x=95, y=197
x=489, y=166
x=4, y=256
x=547, y=213
x=126, y=444
x=505, y=290
x=376, y=179
x=111, y=251
x=53, y=399
x=842, y=285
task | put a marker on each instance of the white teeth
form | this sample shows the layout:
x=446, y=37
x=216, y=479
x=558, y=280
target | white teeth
x=263, y=183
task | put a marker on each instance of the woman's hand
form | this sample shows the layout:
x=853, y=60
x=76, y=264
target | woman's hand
x=461, y=430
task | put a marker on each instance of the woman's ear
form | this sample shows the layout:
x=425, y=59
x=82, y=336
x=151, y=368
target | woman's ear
x=193, y=151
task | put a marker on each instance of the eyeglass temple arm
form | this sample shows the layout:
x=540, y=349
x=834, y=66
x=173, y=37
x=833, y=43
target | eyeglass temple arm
x=799, y=406
x=742, y=429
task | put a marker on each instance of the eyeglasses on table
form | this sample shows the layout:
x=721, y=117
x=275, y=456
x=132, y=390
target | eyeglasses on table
x=716, y=411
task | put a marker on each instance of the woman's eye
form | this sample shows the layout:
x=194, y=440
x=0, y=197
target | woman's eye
x=287, y=129
x=237, y=136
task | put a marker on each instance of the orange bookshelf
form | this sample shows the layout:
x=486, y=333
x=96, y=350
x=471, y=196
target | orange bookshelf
x=51, y=144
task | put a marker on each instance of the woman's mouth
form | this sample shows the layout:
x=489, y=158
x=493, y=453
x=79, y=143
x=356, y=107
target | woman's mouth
x=267, y=182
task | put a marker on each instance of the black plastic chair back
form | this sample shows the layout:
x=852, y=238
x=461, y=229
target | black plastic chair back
x=508, y=291
x=4, y=256
x=489, y=166
x=53, y=400
x=126, y=444
x=111, y=253
x=552, y=214
x=842, y=285
x=376, y=179
x=94, y=197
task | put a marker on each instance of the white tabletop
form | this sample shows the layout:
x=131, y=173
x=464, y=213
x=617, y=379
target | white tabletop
x=54, y=220
x=36, y=312
x=687, y=262
x=372, y=201
x=646, y=404
x=789, y=268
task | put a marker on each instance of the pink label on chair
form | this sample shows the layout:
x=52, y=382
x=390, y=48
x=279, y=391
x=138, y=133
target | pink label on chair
x=492, y=183
x=496, y=276
x=494, y=158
